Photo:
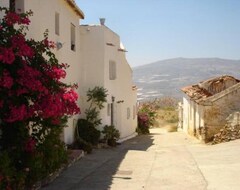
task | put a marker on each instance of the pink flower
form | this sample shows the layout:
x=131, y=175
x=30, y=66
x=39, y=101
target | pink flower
x=58, y=105
x=18, y=40
x=49, y=44
x=1, y=103
x=58, y=73
x=30, y=145
x=7, y=55
x=6, y=80
x=12, y=18
x=19, y=43
x=25, y=20
x=30, y=79
x=16, y=114
x=21, y=91
x=26, y=51
x=70, y=96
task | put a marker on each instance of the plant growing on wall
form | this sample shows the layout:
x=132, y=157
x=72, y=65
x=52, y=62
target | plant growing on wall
x=97, y=97
x=86, y=128
x=34, y=105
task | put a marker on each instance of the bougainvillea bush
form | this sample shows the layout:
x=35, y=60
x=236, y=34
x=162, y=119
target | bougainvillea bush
x=146, y=117
x=34, y=105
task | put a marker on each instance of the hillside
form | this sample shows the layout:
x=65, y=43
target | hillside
x=165, y=78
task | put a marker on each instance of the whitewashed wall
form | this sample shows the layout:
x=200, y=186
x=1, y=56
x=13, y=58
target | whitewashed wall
x=96, y=54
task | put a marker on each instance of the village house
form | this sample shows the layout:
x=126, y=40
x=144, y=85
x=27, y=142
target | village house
x=104, y=64
x=93, y=62
x=207, y=106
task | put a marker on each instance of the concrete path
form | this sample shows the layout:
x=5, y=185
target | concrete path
x=168, y=161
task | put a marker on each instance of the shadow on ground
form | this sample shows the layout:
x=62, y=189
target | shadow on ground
x=98, y=170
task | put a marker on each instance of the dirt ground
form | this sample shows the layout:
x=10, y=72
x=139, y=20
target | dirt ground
x=166, y=119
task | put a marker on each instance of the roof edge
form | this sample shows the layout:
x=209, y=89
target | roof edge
x=219, y=95
x=76, y=8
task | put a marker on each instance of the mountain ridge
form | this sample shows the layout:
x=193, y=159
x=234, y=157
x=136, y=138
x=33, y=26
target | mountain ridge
x=166, y=77
x=184, y=58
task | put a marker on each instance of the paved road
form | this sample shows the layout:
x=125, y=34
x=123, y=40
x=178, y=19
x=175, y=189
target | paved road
x=159, y=161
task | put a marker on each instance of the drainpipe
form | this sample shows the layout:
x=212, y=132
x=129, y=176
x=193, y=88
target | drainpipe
x=112, y=111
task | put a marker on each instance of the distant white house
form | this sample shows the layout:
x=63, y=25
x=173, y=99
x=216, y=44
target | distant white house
x=104, y=64
x=93, y=60
x=208, y=104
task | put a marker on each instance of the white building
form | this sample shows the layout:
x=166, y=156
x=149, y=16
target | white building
x=104, y=64
x=89, y=65
x=208, y=104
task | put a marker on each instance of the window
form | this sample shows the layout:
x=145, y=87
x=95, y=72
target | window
x=57, y=23
x=109, y=110
x=112, y=70
x=128, y=113
x=73, y=37
x=134, y=112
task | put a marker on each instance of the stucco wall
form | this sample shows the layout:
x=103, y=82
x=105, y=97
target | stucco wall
x=192, y=117
x=3, y=3
x=96, y=55
x=185, y=114
x=92, y=61
x=121, y=87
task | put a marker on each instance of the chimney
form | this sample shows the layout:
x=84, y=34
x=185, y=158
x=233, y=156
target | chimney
x=102, y=21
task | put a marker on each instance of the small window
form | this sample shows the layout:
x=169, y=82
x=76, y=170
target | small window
x=73, y=37
x=112, y=70
x=128, y=113
x=134, y=112
x=57, y=23
x=109, y=110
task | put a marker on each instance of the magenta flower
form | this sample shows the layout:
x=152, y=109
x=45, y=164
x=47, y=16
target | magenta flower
x=30, y=145
x=6, y=55
x=16, y=113
x=6, y=80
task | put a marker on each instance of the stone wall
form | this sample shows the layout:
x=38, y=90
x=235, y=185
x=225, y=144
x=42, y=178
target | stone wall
x=230, y=131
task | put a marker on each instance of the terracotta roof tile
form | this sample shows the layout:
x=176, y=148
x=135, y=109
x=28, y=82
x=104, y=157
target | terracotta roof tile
x=209, y=88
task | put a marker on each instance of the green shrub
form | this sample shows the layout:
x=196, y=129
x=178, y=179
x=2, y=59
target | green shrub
x=83, y=145
x=111, y=135
x=86, y=131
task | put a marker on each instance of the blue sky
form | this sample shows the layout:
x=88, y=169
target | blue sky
x=153, y=30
